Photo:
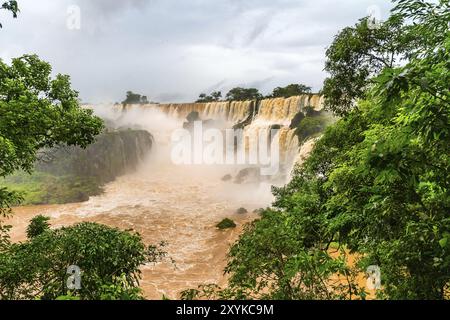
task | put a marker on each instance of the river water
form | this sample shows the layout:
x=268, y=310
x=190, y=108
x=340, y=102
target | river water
x=177, y=204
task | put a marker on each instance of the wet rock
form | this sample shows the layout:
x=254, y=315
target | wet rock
x=193, y=116
x=248, y=175
x=227, y=177
x=241, y=211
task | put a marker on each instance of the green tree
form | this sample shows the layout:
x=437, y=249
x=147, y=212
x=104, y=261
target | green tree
x=109, y=260
x=290, y=90
x=356, y=55
x=37, y=226
x=213, y=97
x=216, y=95
x=37, y=111
x=243, y=94
x=135, y=98
x=11, y=6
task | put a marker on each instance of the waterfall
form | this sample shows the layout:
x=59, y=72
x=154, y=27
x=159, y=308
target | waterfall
x=273, y=113
x=233, y=111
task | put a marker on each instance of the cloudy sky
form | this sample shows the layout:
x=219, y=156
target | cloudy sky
x=172, y=50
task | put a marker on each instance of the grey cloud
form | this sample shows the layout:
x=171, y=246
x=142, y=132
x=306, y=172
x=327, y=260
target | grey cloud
x=169, y=97
x=108, y=7
x=176, y=49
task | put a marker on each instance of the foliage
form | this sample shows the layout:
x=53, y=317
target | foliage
x=356, y=55
x=310, y=123
x=296, y=120
x=120, y=289
x=109, y=265
x=135, y=98
x=213, y=97
x=12, y=6
x=226, y=224
x=290, y=90
x=360, y=53
x=37, y=112
x=311, y=126
x=72, y=174
x=243, y=94
x=37, y=226
x=45, y=188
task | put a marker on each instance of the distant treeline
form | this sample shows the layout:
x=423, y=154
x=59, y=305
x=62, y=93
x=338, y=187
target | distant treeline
x=242, y=94
x=235, y=94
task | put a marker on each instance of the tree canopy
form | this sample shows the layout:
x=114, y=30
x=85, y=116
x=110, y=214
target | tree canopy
x=243, y=94
x=290, y=91
x=359, y=53
x=37, y=111
x=11, y=6
x=135, y=98
x=38, y=268
x=213, y=97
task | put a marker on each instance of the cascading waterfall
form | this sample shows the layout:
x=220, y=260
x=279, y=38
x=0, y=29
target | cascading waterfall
x=278, y=113
x=273, y=113
x=233, y=111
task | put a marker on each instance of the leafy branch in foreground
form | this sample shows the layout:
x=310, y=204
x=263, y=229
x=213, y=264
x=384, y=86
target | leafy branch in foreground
x=11, y=6
x=109, y=260
x=37, y=112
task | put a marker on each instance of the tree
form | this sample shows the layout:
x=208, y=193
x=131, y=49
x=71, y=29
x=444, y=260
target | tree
x=11, y=6
x=144, y=100
x=243, y=94
x=290, y=90
x=213, y=97
x=109, y=264
x=216, y=95
x=37, y=112
x=135, y=98
x=37, y=226
x=356, y=55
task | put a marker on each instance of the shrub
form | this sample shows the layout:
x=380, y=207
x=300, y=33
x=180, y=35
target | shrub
x=37, y=226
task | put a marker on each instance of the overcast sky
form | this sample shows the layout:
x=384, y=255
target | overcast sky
x=172, y=50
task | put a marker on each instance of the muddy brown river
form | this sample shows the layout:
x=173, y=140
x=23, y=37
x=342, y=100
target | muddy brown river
x=176, y=204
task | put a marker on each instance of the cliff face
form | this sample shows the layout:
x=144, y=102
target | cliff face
x=113, y=154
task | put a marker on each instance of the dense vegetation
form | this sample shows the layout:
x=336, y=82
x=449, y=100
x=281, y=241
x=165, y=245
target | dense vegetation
x=73, y=174
x=290, y=91
x=37, y=112
x=40, y=267
x=376, y=186
x=135, y=98
x=310, y=123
